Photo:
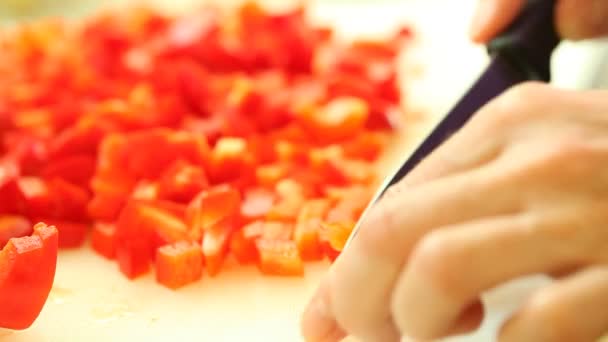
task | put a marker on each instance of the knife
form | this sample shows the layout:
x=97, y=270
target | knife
x=521, y=53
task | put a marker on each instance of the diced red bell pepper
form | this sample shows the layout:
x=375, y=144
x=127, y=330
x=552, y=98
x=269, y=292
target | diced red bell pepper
x=211, y=206
x=215, y=245
x=256, y=204
x=27, y=272
x=179, y=264
x=105, y=207
x=290, y=152
x=306, y=233
x=176, y=209
x=80, y=139
x=242, y=243
x=123, y=133
x=69, y=201
x=231, y=160
x=142, y=228
x=291, y=198
x=270, y=174
x=150, y=151
x=103, y=239
x=349, y=202
x=366, y=145
x=13, y=200
x=327, y=162
x=145, y=190
x=77, y=169
x=341, y=118
x=276, y=230
x=210, y=127
x=71, y=234
x=13, y=227
x=358, y=171
x=279, y=257
x=28, y=152
x=56, y=199
x=336, y=234
x=182, y=181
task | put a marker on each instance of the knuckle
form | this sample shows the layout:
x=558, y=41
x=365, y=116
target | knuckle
x=341, y=308
x=440, y=262
x=514, y=105
x=524, y=91
x=380, y=228
x=547, y=320
x=574, y=155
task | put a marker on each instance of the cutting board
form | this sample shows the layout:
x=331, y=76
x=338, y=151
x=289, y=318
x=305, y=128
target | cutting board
x=92, y=301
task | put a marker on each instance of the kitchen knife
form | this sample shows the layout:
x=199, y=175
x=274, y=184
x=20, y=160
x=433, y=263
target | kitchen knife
x=521, y=53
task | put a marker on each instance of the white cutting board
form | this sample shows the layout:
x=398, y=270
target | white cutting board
x=92, y=301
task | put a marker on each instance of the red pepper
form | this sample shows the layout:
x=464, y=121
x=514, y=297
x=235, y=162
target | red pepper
x=291, y=196
x=256, y=204
x=336, y=234
x=103, y=240
x=216, y=242
x=71, y=234
x=306, y=234
x=142, y=228
x=182, y=181
x=13, y=226
x=270, y=174
x=242, y=244
x=222, y=135
x=230, y=160
x=13, y=199
x=179, y=264
x=27, y=271
x=341, y=118
x=212, y=206
x=279, y=257
x=77, y=169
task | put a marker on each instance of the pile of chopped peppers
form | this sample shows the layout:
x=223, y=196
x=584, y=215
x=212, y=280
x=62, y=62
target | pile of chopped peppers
x=174, y=143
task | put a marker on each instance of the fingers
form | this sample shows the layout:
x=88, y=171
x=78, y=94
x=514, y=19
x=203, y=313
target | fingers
x=450, y=158
x=361, y=280
x=494, y=251
x=318, y=322
x=575, y=19
x=578, y=19
x=358, y=293
x=572, y=309
x=493, y=16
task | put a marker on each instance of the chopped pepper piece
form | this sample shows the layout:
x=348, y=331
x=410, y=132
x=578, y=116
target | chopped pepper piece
x=27, y=272
x=179, y=264
x=215, y=244
x=103, y=239
x=211, y=206
x=306, y=234
x=279, y=257
x=12, y=226
x=142, y=228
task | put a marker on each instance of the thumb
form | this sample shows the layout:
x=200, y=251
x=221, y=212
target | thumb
x=582, y=19
x=493, y=16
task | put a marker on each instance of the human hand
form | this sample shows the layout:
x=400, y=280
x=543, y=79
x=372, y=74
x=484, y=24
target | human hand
x=575, y=19
x=522, y=189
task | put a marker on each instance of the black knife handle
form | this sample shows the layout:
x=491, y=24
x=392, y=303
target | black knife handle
x=530, y=40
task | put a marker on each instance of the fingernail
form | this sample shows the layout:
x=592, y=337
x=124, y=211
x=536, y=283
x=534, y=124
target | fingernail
x=481, y=18
x=313, y=319
x=317, y=323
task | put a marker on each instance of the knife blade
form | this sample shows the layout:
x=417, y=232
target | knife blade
x=521, y=53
